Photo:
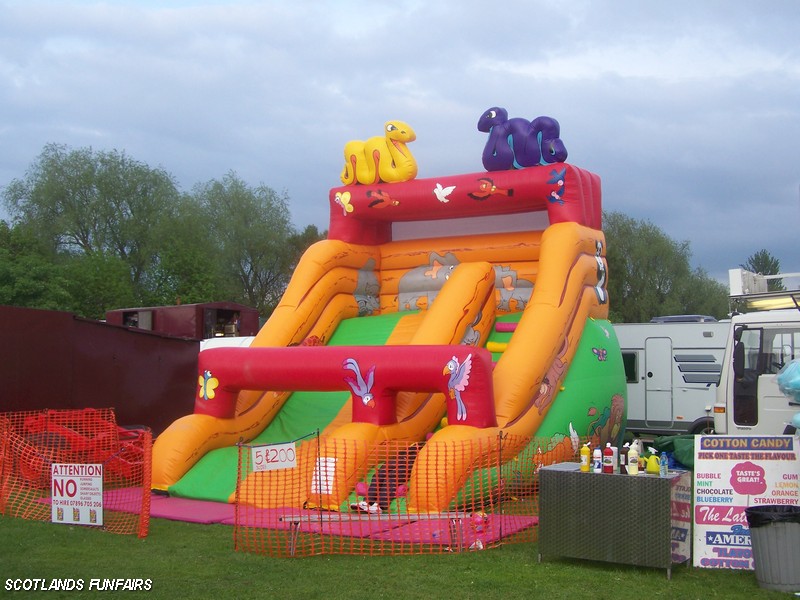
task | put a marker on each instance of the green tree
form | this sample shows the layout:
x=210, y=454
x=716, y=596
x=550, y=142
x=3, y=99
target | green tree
x=188, y=268
x=250, y=229
x=97, y=282
x=702, y=295
x=82, y=202
x=106, y=231
x=29, y=274
x=763, y=263
x=300, y=242
x=650, y=274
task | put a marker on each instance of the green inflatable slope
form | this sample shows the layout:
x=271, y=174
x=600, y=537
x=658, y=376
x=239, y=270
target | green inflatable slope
x=594, y=379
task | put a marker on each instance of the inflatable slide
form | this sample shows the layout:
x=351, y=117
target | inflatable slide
x=456, y=309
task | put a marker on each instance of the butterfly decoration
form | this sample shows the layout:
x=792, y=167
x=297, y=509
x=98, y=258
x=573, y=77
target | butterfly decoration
x=600, y=353
x=343, y=200
x=208, y=385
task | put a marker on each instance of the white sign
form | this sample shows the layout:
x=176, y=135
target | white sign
x=732, y=473
x=324, y=472
x=76, y=494
x=272, y=457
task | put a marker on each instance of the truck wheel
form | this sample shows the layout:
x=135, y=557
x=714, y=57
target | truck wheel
x=702, y=427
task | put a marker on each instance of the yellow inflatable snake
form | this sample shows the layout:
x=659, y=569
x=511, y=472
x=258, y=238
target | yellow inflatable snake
x=379, y=158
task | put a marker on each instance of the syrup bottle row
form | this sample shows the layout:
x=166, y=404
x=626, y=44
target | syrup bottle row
x=627, y=461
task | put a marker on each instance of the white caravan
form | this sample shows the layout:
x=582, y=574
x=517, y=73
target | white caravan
x=672, y=367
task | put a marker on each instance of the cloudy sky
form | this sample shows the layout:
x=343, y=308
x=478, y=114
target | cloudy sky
x=688, y=110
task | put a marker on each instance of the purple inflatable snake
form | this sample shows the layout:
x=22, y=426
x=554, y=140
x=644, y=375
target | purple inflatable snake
x=517, y=143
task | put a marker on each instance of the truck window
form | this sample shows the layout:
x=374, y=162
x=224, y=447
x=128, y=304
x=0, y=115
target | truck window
x=745, y=387
x=784, y=346
x=630, y=362
x=762, y=352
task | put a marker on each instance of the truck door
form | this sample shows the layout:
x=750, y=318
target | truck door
x=774, y=410
x=759, y=407
x=658, y=382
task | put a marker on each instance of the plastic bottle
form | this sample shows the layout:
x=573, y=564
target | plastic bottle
x=608, y=459
x=663, y=465
x=597, y=461
x=623, y=458
x=586, y=458
x=633, y=460
x=637, y=444
x=653, y=462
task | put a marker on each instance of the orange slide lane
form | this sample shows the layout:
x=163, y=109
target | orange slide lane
x=568, y=291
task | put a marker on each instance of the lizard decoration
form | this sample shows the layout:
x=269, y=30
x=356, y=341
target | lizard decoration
x=517, y=143
x=381, y=158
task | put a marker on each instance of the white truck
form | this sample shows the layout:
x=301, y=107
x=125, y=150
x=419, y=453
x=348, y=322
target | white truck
x=760, y=342
x=748, y=398
x=672, y=367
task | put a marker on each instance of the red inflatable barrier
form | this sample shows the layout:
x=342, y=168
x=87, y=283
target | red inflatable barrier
x=568, y=194
x=373, y=374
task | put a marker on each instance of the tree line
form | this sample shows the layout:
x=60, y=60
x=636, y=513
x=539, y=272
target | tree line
x=93, y=231
x=97, y=230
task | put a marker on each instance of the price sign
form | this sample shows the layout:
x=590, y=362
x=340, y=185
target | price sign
x=272, y=457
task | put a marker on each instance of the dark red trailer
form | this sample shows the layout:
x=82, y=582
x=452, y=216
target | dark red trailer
x=51, y=359
x=196, y=321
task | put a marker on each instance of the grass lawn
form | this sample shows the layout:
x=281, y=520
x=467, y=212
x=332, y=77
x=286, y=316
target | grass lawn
x=185, y=560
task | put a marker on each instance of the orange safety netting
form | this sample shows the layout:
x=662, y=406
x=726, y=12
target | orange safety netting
x=283, y=496
x=75, y=441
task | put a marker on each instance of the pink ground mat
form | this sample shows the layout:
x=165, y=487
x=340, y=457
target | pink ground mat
x=449, y=529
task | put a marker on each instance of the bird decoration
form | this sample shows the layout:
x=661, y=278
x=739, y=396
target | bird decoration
x=458, y=382
x=361, y=387
x=442, y=193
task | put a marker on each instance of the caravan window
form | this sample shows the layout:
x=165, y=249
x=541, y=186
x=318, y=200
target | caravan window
x=219, y=322
x=631, y=364
x=143, y=319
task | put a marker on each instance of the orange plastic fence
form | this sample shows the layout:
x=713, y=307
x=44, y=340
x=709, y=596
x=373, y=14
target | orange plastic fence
x=280, y=508
x=31, y=442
